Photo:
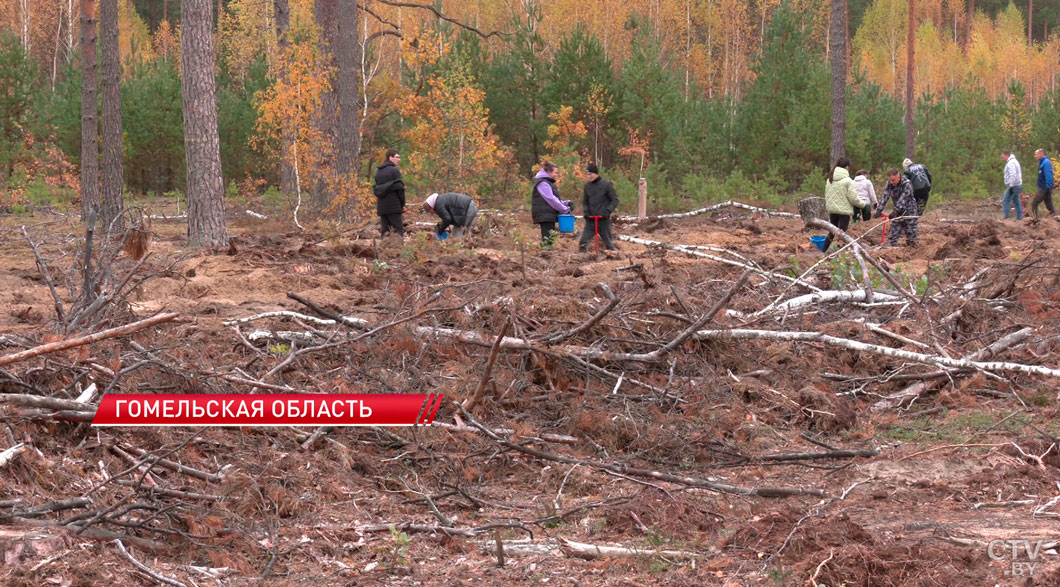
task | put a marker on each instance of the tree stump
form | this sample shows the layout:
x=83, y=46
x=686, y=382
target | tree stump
x=812, y=208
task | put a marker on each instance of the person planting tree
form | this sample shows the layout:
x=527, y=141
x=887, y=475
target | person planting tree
x=456, y=210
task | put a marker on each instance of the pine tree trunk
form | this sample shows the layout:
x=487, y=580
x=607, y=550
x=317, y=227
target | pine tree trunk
x=202, y=155
x=89, y=120
x=910, y=137
x=347, y=54
x=112, y=132
x=283, y=22
x=837, y=49
x=326, y=15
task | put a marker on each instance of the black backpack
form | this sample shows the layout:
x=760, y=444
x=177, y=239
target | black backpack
x=918, y=177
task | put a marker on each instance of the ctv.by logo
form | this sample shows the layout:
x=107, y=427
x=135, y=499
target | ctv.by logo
x=1023, y=554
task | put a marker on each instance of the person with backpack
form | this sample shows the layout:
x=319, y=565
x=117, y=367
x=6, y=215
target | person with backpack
x=904, y=214
x=1045, y=184
x=920, y=178
x=389, y=192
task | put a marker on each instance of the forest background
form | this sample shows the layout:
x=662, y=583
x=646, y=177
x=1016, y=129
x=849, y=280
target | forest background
x=707, y=99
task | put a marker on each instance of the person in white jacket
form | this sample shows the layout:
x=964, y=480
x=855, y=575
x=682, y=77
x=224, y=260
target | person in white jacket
x=1013, y=184
x=866, y=193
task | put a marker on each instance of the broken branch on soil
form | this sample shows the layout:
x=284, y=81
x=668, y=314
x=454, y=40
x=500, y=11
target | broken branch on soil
x=62, y=345
x=644, y=473
x=785, y=336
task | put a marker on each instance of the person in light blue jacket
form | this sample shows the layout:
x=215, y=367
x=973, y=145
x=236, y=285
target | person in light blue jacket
x=1045, y=184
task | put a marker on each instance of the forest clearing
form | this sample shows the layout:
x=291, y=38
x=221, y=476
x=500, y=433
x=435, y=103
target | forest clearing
x=610, y=444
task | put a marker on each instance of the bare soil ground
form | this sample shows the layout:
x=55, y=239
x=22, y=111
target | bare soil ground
x=951, y=474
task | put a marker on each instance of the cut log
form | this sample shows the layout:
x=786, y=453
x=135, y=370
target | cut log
x=812, y=209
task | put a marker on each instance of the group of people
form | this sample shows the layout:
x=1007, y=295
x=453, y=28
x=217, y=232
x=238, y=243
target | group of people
x=847, y=198
x=1013, y=177
x=458, y=211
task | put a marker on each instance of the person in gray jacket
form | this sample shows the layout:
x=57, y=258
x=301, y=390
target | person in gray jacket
x=601, y=200
x=456, y=210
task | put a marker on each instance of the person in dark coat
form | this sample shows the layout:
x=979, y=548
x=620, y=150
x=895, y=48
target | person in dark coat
x=545, y=205
x=390, y=194
x=905, y=212
x=599, y=199
x=920, y=178
x=456, y=210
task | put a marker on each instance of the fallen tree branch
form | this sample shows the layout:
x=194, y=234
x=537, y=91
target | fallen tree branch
x=825, y=225
x=691, y=251
x=359, y=322
x=612, y=301
x=644, y=473
x=469, y=404
x=591, y=551
x=147, y=569
x=62, y=345
x=911, y=392
x=854, y=345
x=47, y=276
x=726, y=204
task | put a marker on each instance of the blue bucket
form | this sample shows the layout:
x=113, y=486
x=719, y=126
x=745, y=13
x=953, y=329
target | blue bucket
x=818, y=241
x=442, y=235
x=566, y=223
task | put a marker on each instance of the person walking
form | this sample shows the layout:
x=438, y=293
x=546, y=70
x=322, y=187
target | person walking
x=456, y=210
x=867, y=195
x=920, y=178
x=599, y=199
x=545, y=205
x=1013, y=184
x=905, y=214
x=840, y=198
x=389, y=192
x=1045, y=184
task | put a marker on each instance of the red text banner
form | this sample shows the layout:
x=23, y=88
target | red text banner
x=345, y=409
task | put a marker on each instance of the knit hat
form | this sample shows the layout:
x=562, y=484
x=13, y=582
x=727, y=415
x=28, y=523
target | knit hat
x=906, y=163
x=591, y=168
x=431, y=199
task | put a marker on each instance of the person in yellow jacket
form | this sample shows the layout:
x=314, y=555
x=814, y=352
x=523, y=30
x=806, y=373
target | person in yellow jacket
x=840, y=197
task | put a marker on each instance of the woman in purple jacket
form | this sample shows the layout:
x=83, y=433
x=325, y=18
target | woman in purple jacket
x=545, y=205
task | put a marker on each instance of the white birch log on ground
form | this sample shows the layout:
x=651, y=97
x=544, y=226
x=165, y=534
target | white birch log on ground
x=587, y=551
x=726, y=204
x=349, y=320
x=913, y=391
x=829, y=296
x=858, y=346
x=9, y=455
x=692, y=251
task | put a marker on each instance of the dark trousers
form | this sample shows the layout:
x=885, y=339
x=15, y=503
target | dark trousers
x=548, y=236
x=590, y=232
x=921, y=197
x=392, y=222
x=841, y=221
x=863, y=213
x=1043, y=195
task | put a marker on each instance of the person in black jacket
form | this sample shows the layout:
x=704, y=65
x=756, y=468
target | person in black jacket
x=545, y=205
x=456, y=210
x=600, y=199
x=390, y=194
